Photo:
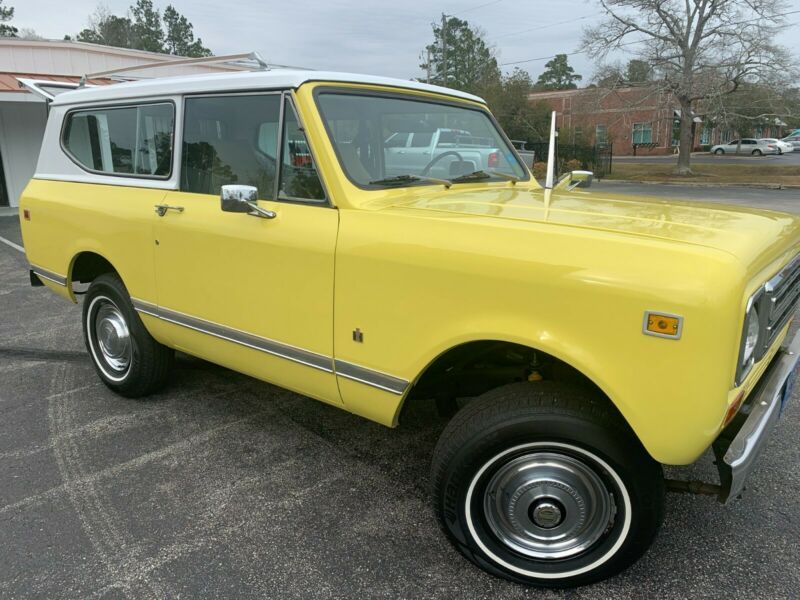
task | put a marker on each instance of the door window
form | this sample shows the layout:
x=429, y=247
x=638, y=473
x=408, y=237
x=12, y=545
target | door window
x=230, y=140
x=396, y=140
x=299, y=178
x=132, y=140
x=421, y=139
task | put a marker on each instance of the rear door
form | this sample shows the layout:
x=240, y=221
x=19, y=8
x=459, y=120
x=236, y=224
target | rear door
x=250, y=293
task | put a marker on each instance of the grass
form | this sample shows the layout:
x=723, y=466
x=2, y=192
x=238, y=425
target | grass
x=785, y=175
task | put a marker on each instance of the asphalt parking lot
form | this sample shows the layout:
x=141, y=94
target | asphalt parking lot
x=790, y=159
x=224, y=486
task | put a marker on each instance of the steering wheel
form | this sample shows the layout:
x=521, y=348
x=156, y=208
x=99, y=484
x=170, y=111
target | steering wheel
x=436, y=159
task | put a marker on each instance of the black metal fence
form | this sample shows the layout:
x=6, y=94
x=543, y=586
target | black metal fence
x=593, y=158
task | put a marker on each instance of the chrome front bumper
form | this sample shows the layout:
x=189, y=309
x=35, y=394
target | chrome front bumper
x=739, y=445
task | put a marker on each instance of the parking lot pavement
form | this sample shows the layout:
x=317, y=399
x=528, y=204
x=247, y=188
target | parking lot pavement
x=223, y=486
x=790, y=159
x=784, y=200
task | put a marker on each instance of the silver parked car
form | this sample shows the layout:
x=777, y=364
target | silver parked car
x=748, y=146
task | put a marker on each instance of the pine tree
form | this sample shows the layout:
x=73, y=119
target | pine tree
x=6, y=14
x=558, y=75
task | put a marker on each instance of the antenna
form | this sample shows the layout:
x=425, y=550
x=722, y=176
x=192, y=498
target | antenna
x=551, y=152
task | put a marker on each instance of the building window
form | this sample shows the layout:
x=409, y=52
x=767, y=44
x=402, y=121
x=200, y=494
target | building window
x=705, y=136
x=726, y=136
x=135, y=140
x=642, y=133
x=600, y=134
x=759, y=132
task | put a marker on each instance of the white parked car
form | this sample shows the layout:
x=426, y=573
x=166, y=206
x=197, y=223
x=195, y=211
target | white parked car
x=793, y=139
x=782, y=146
x=748, y=146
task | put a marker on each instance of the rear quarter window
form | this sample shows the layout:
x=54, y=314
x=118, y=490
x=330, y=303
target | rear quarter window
x=135, y=141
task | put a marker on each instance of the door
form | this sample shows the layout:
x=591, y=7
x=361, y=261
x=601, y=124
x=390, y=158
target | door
x=395, y=149
x=419, y=151
x=251, y=293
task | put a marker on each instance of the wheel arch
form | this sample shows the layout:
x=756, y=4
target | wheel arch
x=85, y=267
x=559, y=363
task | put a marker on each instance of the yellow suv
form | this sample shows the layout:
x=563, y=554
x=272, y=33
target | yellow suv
x=284, y=224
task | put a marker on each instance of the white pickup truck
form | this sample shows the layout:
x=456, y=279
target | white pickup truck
x=443, y=153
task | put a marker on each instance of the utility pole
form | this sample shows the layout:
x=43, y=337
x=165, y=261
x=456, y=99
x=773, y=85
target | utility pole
x=428, y=63
x=444, y=49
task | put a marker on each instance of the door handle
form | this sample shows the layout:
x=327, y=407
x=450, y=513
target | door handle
x=161, y=209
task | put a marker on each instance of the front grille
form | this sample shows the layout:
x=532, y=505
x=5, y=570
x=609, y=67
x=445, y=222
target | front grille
x=778, y=303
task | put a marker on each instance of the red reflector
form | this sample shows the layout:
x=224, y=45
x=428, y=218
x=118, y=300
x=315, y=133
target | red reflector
x=494, y=158
x=26, y=214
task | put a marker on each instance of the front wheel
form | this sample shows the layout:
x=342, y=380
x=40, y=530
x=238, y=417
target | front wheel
x=125, y=355
x=546, y=485
x=719, y=151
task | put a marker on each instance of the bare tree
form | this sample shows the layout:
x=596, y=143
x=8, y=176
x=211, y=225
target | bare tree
x=698, y=49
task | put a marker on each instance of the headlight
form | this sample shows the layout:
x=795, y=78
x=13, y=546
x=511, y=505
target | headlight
x=752, y=329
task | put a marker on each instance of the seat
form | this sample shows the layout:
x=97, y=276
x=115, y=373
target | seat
x=352, y=164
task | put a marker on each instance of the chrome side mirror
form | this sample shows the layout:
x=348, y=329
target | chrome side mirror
x=243, y=199
x=581, y=179
x=573, y=179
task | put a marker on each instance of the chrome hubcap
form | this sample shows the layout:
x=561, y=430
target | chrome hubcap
x=113, y=337
x=547, y=514
x=548, y=505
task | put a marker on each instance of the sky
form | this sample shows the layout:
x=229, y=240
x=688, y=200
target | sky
x=381, y=37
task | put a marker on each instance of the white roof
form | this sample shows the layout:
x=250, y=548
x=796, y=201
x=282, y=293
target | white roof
x=226, y=82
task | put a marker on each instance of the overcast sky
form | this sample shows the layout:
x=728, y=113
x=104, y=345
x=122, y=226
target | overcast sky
x=379, y=37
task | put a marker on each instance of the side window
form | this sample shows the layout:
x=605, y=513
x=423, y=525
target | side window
x=396, y=140
x=134, y=140
x=421, y=139
x=230, y=139
x=299, y=179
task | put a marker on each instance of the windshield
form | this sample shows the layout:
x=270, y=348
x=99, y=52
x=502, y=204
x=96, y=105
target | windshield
x=384, y=140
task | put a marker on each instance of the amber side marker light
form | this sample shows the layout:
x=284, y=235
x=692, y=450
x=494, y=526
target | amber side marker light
x=26, y=214
x=663, y=325
x=733, y=409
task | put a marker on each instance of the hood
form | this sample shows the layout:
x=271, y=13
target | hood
x=754, y=236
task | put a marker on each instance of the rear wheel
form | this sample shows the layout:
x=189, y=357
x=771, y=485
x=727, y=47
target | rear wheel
x=125, y=355
x=757, y=153
x=546, y=485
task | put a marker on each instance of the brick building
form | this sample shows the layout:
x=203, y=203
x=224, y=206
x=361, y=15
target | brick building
x=635, y=119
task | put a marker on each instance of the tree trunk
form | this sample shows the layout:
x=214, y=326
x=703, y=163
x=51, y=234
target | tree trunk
x=686, y=141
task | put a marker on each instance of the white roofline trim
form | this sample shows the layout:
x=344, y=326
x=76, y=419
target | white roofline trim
x=240, y=81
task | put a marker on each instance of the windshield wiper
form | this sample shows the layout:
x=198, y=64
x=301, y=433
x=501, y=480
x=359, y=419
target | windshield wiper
x=403, y=179
x=479, y=175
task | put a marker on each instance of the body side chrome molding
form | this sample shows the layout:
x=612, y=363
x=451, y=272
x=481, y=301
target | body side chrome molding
x=268, y=346
x=49, y=275
x=376, y=379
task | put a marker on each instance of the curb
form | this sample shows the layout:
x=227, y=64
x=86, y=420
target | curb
x=766, y=186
